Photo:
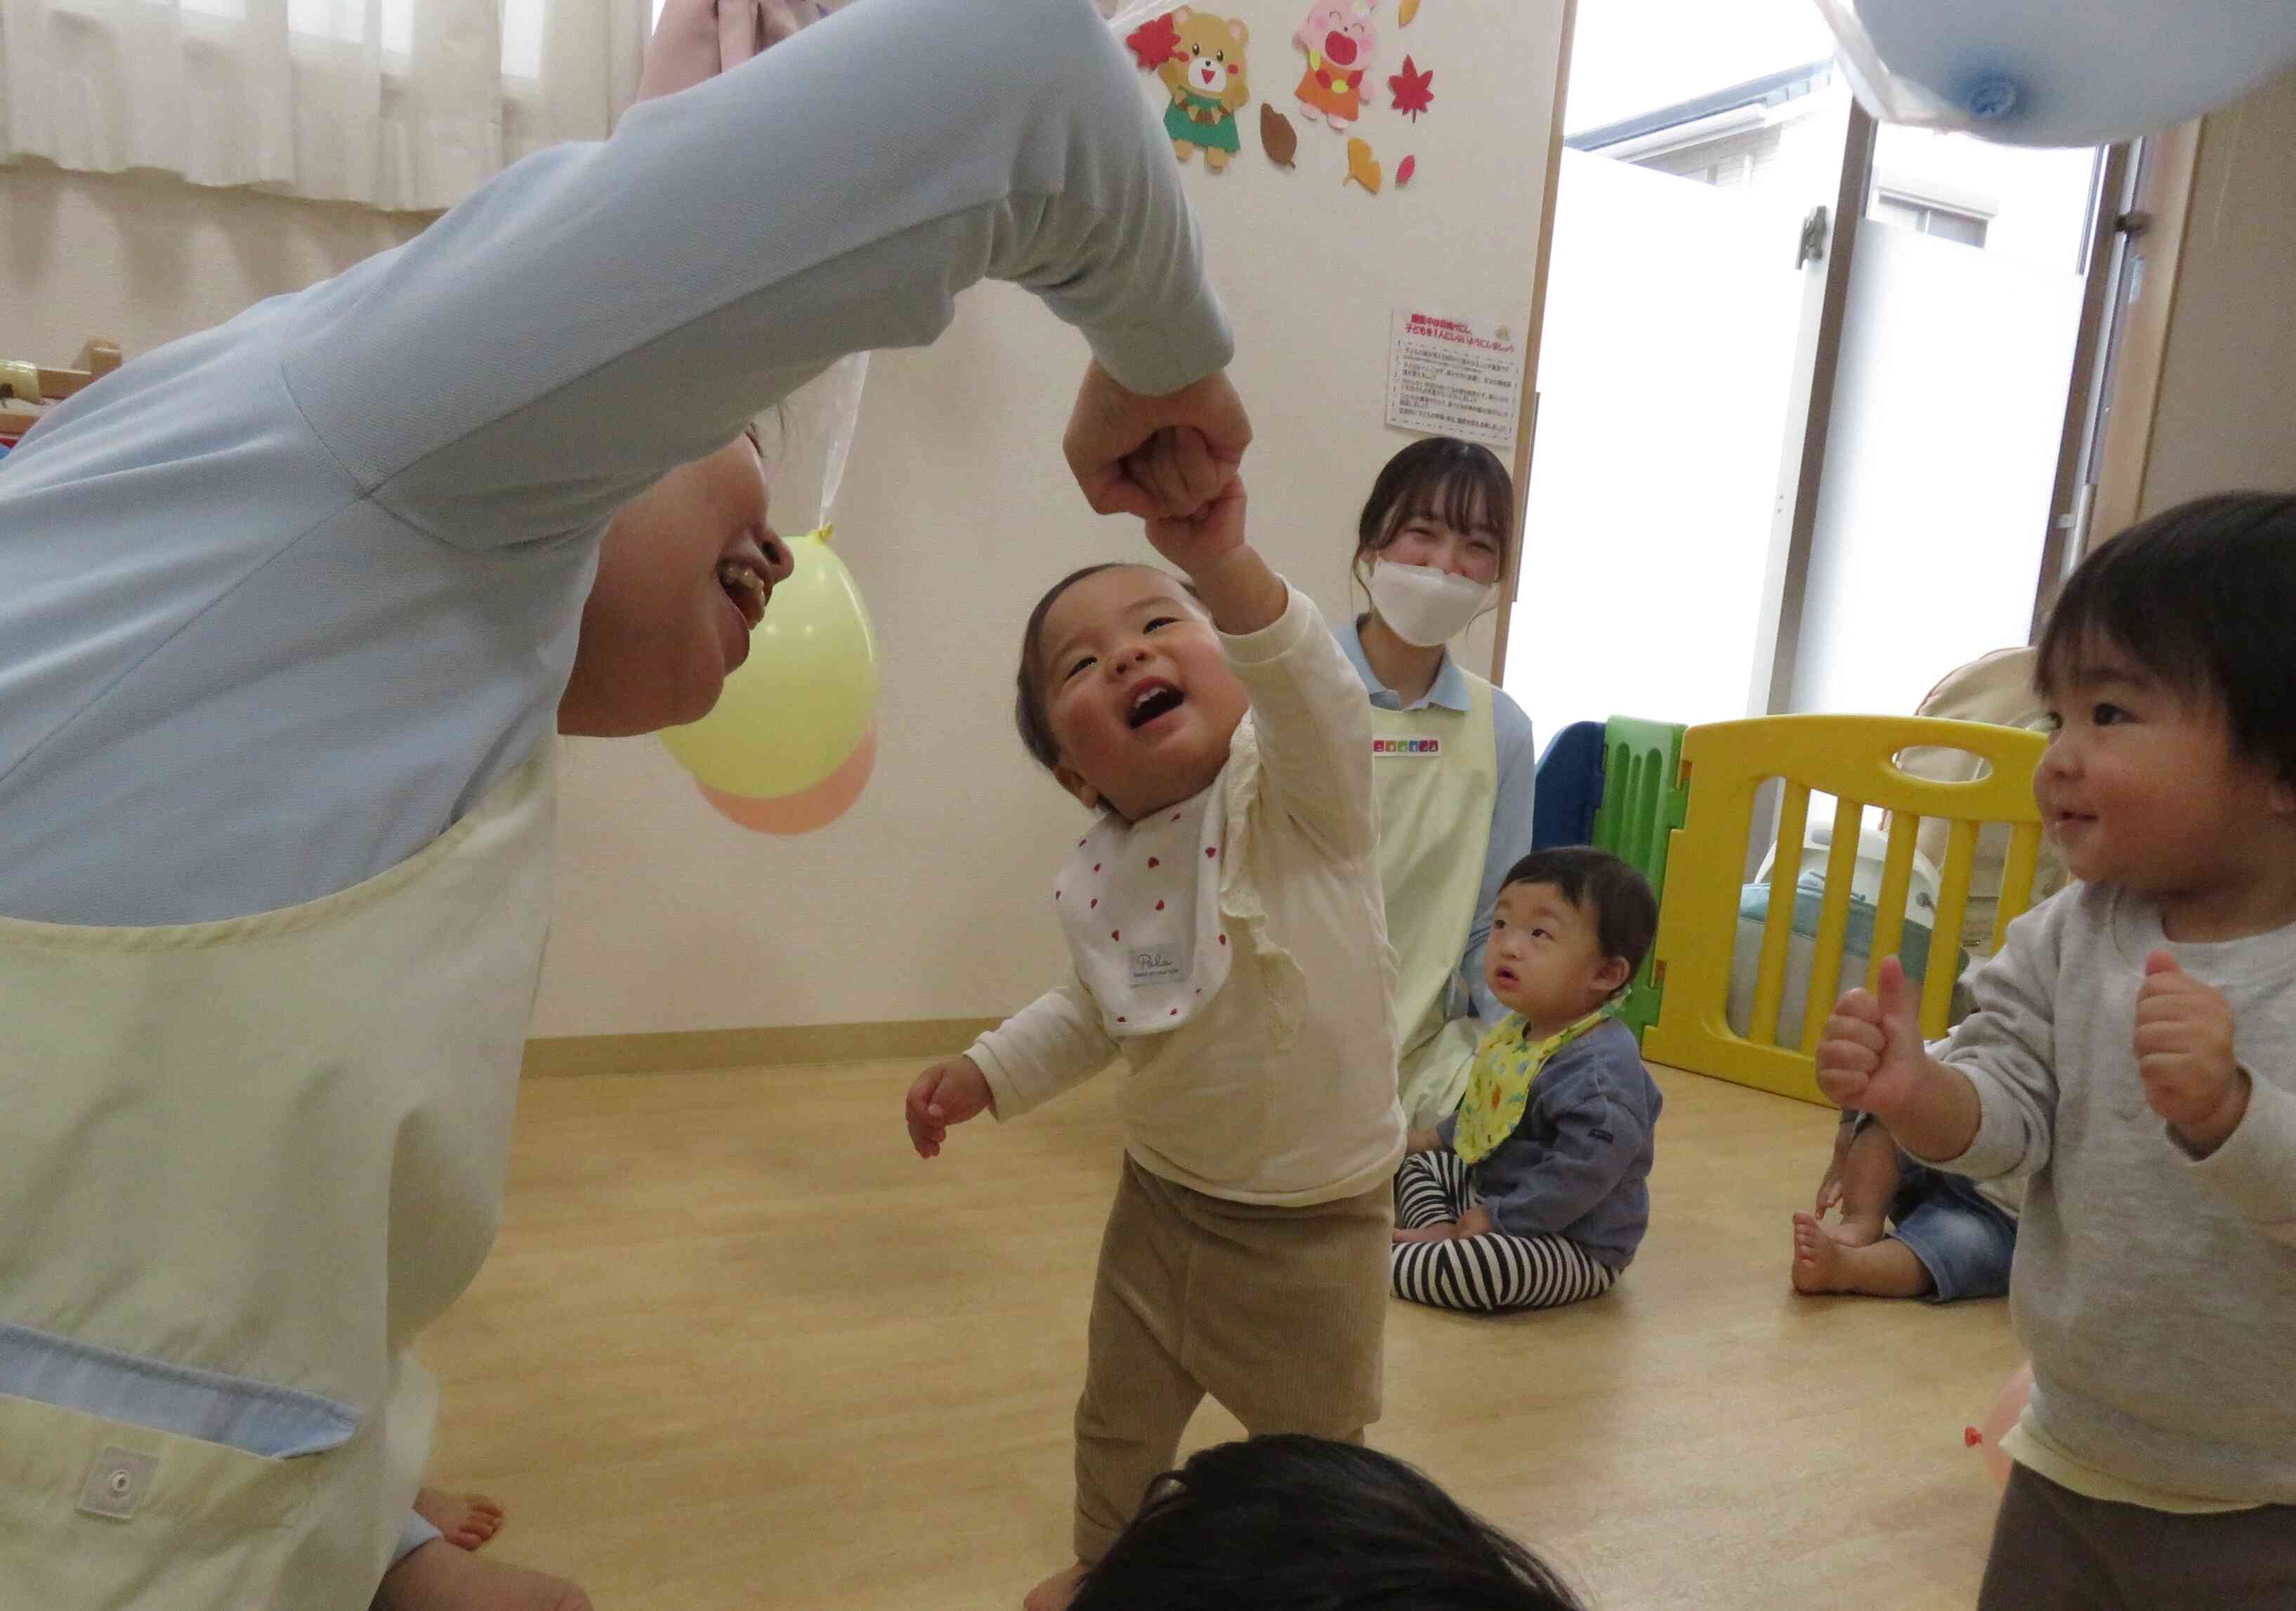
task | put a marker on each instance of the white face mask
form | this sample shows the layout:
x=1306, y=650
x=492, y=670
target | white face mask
x=1426, y=607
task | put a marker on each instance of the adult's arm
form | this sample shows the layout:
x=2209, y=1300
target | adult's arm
x=600, y=313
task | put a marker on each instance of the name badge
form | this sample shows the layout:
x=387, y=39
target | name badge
x=1406, y=749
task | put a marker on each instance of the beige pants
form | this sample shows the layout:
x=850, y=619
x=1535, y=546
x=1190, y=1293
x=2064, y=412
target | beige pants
x=1277, y=1313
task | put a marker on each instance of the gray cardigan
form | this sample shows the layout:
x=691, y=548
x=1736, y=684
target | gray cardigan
x=1579, y=1164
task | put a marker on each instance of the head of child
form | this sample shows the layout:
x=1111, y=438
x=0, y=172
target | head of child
x=2169, y=671
x=1432, y=542
x=684, y=574
x=1123, y=693
x=1569, y=932
x=1300, y=1523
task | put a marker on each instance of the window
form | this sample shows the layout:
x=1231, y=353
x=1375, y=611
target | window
x=386, y=103
x=1927, y=217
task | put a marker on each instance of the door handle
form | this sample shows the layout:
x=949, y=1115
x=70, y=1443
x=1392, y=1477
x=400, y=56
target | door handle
x=1812, y=246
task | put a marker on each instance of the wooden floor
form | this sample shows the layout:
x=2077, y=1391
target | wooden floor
x=738, y=1346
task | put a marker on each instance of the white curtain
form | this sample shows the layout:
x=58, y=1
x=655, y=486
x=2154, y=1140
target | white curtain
x=400, y=104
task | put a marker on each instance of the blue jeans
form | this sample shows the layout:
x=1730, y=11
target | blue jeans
x=1962, y=1238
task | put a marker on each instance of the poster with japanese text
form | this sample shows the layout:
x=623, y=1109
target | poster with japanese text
x=1455, y=377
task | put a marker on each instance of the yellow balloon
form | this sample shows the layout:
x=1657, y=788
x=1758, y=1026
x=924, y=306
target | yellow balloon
x=805, y=697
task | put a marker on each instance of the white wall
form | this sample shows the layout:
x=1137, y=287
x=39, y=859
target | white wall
x=2227, y=412
x=928, y=899
x=142, y=258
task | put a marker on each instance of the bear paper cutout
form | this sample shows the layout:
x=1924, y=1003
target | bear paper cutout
x=1206, y=77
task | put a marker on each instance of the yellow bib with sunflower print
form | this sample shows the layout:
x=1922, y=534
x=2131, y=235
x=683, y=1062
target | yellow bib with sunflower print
x=1498, y=1087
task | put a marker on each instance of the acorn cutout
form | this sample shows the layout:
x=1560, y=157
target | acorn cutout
x=1276, y=133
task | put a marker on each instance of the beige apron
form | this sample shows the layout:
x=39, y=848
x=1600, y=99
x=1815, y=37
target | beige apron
x=1435, y=809
x=244, y=1164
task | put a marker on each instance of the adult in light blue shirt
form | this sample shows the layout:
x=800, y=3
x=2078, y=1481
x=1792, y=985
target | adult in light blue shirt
x=1452, y=755
x=282, y=601
x=1516, y=757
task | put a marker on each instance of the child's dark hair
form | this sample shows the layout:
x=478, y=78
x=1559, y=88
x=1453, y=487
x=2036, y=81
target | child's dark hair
x=1455, y=481
x=2201, y=596
x=1300, y=1523
x=1626, y=912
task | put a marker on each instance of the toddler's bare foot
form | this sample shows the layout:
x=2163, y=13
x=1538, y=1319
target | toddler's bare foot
x=1055, y=1591
x=1856, y=1231
x=1816, y=1257
x=465, y=1520
x=1886, y=1268
x=439, y=1577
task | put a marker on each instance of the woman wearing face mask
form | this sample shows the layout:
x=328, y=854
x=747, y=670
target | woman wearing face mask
x=1452, y=755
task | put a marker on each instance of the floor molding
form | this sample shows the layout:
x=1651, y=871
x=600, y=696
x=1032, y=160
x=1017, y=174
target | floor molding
x=690, y=1050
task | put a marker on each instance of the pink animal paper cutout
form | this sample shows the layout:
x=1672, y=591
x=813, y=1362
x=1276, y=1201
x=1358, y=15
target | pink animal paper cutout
x=1341, y=40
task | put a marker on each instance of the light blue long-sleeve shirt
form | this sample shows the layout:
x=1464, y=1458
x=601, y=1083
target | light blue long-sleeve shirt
x=280, y=601
x=1511, y=810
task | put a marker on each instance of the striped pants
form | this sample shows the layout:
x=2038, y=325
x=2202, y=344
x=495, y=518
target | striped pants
x=1483, y=1274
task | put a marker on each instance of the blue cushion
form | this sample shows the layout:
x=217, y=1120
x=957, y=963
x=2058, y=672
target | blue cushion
x=1569, y=788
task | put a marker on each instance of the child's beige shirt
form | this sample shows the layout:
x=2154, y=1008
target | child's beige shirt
x=1281, y=1089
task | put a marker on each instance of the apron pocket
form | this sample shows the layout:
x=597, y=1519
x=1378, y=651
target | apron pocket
x=279, y=1423
x=100, y=1512
x=143, y=1486
x=60, y=1466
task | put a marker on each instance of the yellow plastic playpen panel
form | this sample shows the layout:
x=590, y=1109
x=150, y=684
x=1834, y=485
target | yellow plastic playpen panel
x=1853, y=759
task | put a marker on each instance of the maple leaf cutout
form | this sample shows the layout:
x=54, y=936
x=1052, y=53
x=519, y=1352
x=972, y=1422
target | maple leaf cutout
x=1414, y=91
x=1152, y=43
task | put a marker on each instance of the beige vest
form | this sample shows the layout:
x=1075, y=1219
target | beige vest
x=256, y=1157
x=1434, y=833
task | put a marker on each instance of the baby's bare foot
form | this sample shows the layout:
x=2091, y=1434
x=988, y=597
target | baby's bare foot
x=1816, y=1257
x=1055, y=1591
x=465, y=1520
x=1856, y=1232
x=439, y=1577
